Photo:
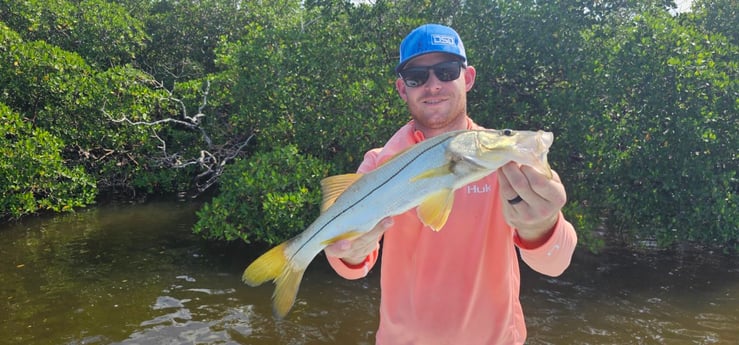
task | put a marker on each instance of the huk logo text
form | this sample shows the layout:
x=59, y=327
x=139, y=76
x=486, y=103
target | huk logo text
x=475, y=189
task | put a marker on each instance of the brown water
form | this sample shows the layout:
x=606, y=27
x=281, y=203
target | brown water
x=136, y=275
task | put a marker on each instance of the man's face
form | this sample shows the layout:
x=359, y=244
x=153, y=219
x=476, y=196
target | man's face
x=437, y=106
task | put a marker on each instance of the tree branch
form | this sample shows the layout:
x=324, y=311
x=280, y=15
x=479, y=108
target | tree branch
x=212, y=159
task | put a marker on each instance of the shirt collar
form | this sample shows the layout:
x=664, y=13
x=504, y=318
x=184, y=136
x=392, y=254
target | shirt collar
x=419, y=137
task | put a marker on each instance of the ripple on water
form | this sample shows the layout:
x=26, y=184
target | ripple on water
x=164, y=302
x=718, y=322
x=186, y=313
x=180, y=327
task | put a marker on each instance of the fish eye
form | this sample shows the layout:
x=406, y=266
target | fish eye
x=508, y=132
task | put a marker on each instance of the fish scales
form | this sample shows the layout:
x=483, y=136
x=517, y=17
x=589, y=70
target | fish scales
x=391, y=181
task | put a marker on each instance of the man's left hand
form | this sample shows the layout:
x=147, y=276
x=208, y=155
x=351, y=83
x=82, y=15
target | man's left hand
x=535, y=215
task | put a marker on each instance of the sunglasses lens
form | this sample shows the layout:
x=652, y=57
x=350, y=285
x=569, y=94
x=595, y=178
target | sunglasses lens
x=447, y=71
x=444, y=71
x=414, y=77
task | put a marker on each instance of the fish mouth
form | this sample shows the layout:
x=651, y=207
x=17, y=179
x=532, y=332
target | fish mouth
x=528, y=148
x=537, y=143
x=545, y=140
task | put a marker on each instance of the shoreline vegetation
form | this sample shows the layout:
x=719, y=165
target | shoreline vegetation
x=246, y=107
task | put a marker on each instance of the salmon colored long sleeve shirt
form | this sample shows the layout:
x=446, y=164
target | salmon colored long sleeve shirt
x=459, y=285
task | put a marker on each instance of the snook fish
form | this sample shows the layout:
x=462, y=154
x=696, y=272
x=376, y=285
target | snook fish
x=424, y=176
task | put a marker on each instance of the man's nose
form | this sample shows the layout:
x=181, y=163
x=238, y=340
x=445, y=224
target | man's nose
x=433, y=82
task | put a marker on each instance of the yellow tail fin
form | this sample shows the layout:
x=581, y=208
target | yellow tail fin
x=269, y=266
x=273, y=265
x=286, y=289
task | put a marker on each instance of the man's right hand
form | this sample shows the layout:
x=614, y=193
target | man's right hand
x=353, y=252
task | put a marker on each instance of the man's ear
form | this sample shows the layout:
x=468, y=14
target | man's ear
x=469, y=77
x=400, y=86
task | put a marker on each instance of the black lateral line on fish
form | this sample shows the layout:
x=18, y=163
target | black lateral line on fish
x=370, y=193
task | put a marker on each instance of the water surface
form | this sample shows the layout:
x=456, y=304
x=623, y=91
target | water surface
x=135, y=274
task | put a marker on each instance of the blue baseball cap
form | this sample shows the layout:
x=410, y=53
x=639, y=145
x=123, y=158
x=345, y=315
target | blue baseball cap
x=430, y=38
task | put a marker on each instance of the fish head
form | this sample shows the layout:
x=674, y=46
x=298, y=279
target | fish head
x=490, y=149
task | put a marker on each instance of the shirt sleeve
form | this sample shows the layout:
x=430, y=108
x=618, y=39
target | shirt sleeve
x=358, y=271
x=361, y=270
x=554, y=256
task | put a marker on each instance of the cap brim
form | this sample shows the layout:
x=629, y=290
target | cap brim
x=400, y=66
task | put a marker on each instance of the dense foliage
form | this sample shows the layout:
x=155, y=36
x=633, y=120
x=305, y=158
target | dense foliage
x=265, y=199
x=268, y=97
x=32, y=174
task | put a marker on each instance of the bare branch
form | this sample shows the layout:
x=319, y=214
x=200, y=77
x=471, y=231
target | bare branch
x=212, y=159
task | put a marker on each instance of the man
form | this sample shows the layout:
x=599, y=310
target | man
x=459, y=285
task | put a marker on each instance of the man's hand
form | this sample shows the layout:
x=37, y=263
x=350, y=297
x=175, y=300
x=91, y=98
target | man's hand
x=354, y=251
x=542, y=199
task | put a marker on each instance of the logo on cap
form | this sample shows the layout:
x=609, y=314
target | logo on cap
x=442, y=40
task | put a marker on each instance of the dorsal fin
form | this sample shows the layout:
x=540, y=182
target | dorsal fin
x=333, y=186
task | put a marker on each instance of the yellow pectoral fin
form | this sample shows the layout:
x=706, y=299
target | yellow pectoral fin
x=333, y=186
x=445, y=169
x=434, y=211
x=345, y=236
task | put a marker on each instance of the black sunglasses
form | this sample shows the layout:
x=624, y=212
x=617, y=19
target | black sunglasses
x=444, y=71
